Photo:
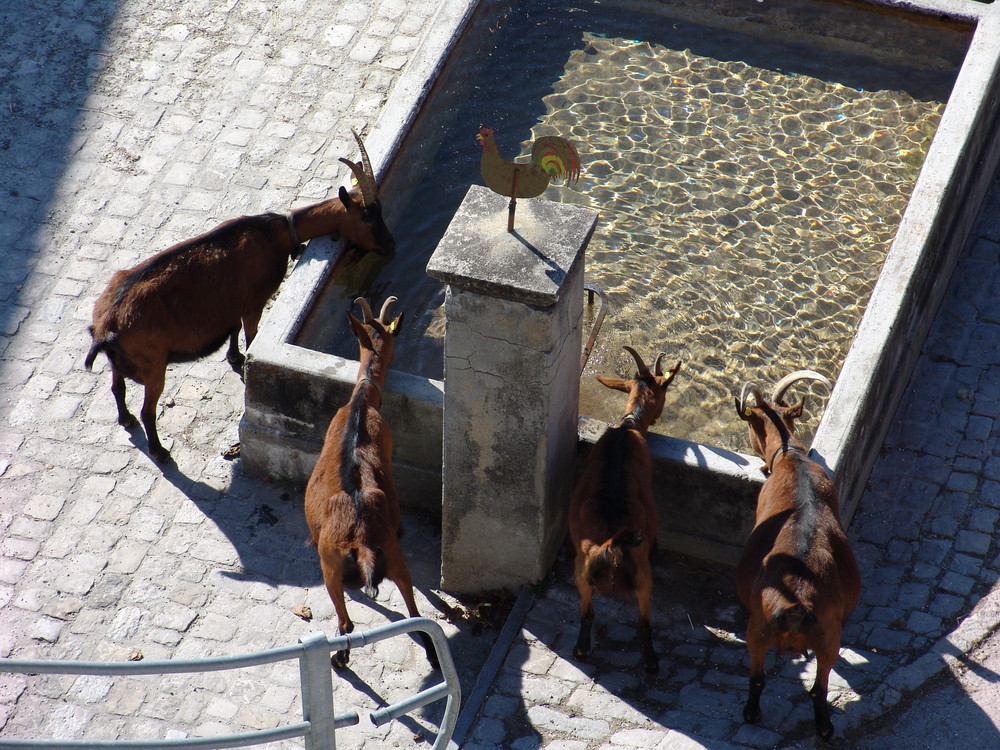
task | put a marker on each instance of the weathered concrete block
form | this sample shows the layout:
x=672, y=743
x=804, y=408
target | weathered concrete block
x=512, y=349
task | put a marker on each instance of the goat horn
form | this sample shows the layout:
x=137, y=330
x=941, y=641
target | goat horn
x=372, y=194
x=657, y=365
x=366, y=310
x=362, y=180
x=385, y=309
x=638, y=360
x=749, y=389
x=778, y=393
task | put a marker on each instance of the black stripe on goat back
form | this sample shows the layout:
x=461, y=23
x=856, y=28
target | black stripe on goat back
x=806, y=502
x=350, y=464
x=612, y=501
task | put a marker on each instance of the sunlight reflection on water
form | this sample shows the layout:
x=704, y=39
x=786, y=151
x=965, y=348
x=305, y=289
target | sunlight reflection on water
x=745, y=216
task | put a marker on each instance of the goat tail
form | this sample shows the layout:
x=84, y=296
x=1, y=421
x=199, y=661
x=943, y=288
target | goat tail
x=794, y=619
x=364, y=569
x=608, y=568
x=99, y=345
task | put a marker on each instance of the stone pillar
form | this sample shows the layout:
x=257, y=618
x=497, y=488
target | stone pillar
x=514, y=310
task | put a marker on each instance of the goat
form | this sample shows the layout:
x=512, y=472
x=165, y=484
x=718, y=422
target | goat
x=797, y=578
x=351, y=504
x=184, y=302
x=612, y=515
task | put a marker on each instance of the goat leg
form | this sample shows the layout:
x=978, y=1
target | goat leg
x=401, y=577
x=821, y=709
x=643, y=593
x=650, y=661
x=233, y=356
x=334, y=586
x=751, y=711
x=154, y=387
x=125, y=418
x=582, y=648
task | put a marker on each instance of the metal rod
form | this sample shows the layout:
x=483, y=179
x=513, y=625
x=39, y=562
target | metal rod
x=591, y=290
x=244, y=739
x=399, y=708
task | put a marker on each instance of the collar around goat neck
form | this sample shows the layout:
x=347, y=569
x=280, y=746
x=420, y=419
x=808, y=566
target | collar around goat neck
x=630, y=421
x=782, y=450
x=290, y=218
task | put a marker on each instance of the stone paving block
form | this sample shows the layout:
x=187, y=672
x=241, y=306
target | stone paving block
x=946, y=605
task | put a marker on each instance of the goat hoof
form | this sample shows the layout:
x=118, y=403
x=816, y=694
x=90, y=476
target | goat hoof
x=237, y=363
x=751, y=715
x=128, y=421
x=581, y=653
x=825, y=731
x=339, y=660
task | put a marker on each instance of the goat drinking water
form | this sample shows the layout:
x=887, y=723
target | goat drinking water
x=797, y=578
x=612, y=514
x=351, y=503
x=185, y=302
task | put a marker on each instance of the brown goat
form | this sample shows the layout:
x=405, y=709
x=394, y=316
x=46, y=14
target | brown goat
x=612, y=514
x=351, y=503
x=798, y=578
x=184, y=302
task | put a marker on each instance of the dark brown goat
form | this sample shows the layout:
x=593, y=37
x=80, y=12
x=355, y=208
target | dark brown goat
x=797, y=578
x=612, y=514
x=183, y=303
x=351, y=503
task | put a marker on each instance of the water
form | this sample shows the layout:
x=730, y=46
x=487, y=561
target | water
x=749, y=185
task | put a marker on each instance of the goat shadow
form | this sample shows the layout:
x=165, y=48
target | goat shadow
x=263, y=521
x=698, y=630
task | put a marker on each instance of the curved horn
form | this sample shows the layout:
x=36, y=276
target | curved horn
x=778, y=393
x=372, y=193
x=385, y=310
x=749, y=389
x=638, y=360
x=658, y=364
x=366, y=310
x=367, y=192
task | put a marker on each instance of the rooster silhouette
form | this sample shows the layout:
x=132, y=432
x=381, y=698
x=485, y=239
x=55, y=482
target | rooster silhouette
x=551, y=157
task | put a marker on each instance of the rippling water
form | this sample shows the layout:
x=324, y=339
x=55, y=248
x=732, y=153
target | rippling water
x=745, y=209
x=745, y=216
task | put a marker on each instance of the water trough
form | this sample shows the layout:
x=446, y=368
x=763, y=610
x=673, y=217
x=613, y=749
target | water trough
x=705, y=493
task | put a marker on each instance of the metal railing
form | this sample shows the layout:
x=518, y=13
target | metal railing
x=315, y=681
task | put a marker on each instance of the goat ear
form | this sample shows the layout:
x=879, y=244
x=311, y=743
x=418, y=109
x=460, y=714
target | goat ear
x=617, y=383
x=742, y=414
x=393, y=327
x=664, y=381
x=346, y=198
x=360, y=331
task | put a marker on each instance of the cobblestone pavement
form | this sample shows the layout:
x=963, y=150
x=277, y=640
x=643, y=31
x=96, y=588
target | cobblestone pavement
x=125, y=127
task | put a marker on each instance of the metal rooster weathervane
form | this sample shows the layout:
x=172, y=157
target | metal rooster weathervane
x=551, y=157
